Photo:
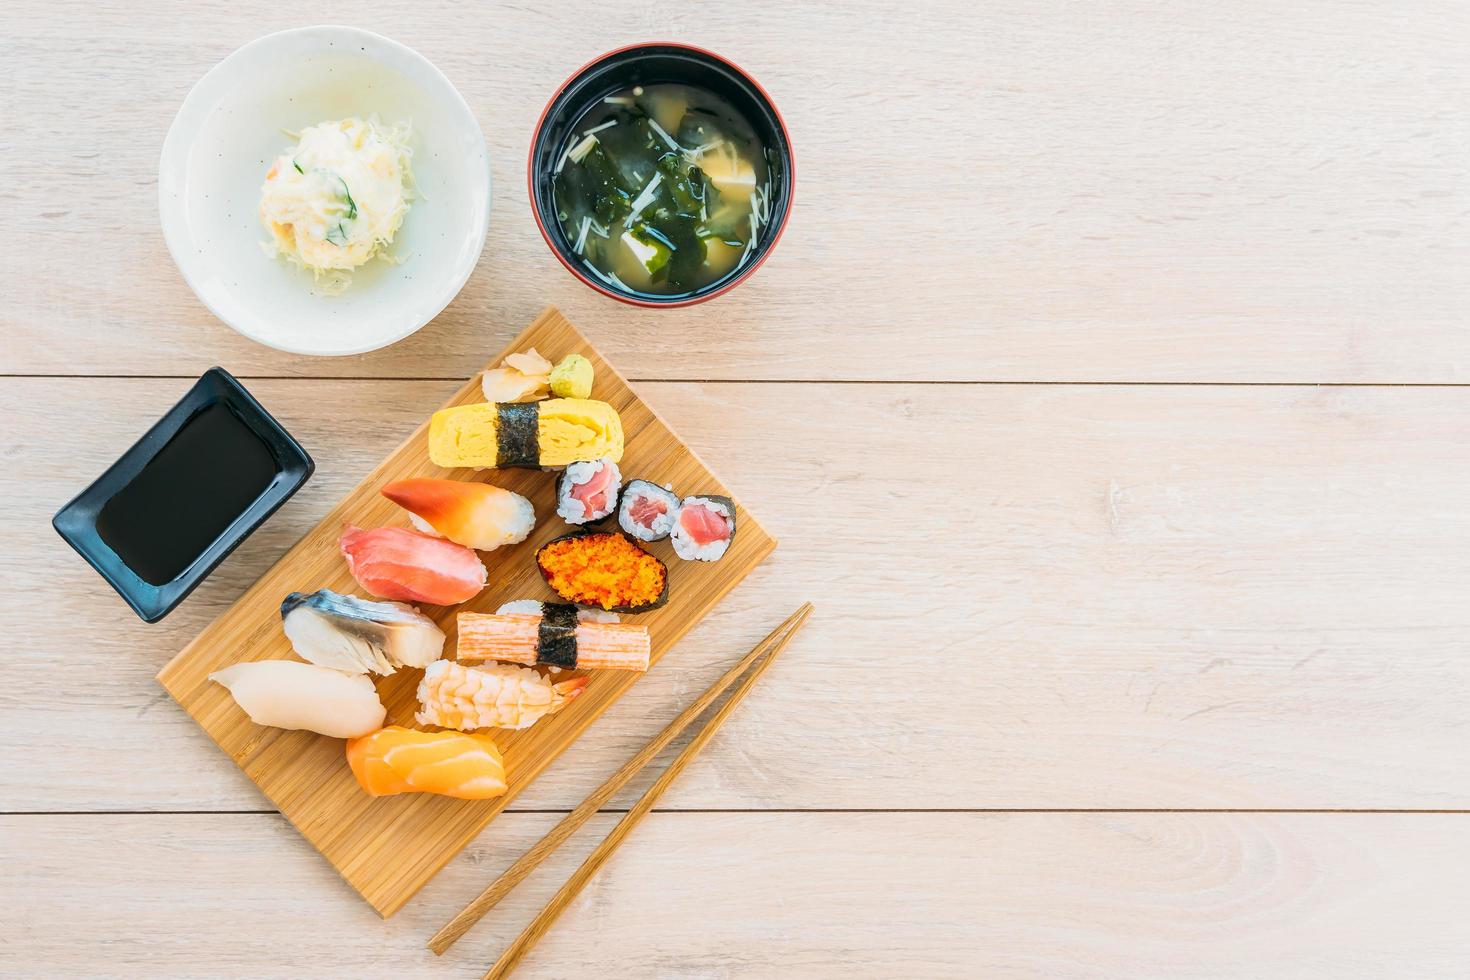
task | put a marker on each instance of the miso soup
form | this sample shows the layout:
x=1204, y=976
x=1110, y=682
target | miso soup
x=663, y=189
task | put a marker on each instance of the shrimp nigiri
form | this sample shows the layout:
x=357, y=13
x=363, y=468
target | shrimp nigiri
x=395, y=563
x=497, y=696
x=397, y=760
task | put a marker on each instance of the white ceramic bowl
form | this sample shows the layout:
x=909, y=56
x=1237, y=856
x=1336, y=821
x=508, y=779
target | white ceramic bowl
x=232, y=125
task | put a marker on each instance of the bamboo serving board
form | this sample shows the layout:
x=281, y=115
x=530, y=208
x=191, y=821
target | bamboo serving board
x=387, y=848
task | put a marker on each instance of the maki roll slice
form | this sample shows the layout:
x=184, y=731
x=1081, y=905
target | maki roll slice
x=647, y=510
x=588, y=491
x=704, y=527
x=606, y=570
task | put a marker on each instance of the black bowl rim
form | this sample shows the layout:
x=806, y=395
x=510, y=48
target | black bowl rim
x=77, y=521
x=788, y=162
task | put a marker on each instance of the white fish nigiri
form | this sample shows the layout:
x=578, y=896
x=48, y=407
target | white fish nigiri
x=347, y=633
x=287, y=694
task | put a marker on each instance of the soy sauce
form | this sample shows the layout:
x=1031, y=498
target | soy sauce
x=187, y=495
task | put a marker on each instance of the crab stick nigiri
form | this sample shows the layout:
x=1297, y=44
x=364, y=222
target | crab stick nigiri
x=395, y=563
x=555, y=636
x=476, y=515
x=397, y=760
x=499, y=696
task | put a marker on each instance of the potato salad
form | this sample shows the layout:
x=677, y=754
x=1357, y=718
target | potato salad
x=338, y=197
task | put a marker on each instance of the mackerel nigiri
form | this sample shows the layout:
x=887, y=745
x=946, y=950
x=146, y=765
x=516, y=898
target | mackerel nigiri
x=395, y=563
x=397, y=760
x=476, y=515
x=355, y=635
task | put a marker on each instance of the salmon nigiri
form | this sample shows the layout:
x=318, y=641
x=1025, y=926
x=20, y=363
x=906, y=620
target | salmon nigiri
x=476, y=515
x=395, y=563
x=397, y=760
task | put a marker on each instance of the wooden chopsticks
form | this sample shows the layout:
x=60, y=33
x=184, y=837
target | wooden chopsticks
x=769, y=647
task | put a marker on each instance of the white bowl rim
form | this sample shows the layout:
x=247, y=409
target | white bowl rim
x=191, y=113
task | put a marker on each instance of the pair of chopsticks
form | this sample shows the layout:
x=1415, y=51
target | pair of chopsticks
x=770, y=647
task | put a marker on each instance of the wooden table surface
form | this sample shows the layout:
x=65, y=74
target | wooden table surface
x=1110, y=397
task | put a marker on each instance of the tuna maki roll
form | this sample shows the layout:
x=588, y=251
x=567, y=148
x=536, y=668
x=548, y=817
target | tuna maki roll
x=588, y=491
x=647, y=510
x=704, y=527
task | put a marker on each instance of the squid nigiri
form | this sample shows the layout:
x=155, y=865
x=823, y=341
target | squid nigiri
x=394, y=563
x=476, y=515
x=397, y=760
x=453, y=695
x=287, y=694
x=354, y=635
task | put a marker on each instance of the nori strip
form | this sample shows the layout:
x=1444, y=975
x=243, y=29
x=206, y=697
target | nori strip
x=556, y=637
x=517, y=435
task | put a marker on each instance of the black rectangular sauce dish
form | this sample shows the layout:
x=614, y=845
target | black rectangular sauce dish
x=199, y=482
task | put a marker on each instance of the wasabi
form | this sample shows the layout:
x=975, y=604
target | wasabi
x=572, y=378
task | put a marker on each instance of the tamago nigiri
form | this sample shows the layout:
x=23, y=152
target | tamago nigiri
x=396, y=563
x=476, y=515
x=397, y=760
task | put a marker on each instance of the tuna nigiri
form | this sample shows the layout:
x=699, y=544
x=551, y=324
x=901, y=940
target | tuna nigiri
x=476, y=515
x=395, y=563
x=287, y=694
x=499, y=696
x=354, y=635
x=397, y=760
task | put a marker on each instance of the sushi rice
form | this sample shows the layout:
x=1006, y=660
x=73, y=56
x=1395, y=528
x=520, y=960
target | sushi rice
x=532, y=607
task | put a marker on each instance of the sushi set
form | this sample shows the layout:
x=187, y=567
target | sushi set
x=417, y=659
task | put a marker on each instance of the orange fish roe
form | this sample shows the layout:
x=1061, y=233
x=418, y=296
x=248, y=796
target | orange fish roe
x=604, y=569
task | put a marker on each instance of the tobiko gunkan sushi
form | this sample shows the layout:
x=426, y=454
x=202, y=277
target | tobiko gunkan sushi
x=607, y=569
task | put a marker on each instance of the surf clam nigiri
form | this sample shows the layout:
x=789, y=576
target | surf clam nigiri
x=396, y=563
x=476, y=515
x=287, y=694
x=397, y=760
x=358, y=636
x=453, y=695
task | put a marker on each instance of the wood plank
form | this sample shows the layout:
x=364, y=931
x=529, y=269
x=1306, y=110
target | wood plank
x=1133, y=597
x=387, y=848
x=1181, y=895
x=1015, y=190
